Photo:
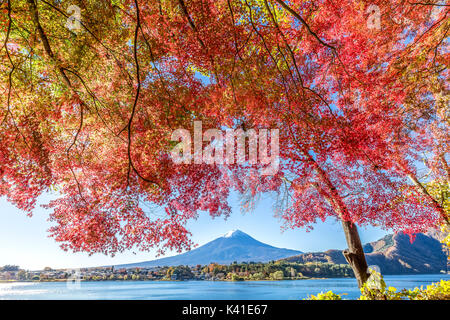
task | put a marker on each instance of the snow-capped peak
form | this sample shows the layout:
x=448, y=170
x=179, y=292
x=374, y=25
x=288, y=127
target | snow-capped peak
x=230, y=233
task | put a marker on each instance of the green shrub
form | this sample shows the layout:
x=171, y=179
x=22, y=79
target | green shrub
x=435, y=291
x=277, y=275
x=325, y=296
x=235, y=277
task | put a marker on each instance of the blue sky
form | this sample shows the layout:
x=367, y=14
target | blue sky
x=24, y=241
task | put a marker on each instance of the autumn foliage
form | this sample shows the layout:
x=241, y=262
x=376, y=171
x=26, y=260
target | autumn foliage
x=88, y=114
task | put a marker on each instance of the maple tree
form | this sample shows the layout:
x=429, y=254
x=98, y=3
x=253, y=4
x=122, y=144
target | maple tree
x=89, y=114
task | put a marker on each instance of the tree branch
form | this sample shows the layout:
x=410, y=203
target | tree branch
x=298, y=17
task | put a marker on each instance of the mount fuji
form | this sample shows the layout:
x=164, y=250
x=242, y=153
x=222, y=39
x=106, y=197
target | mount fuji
x=235, y=245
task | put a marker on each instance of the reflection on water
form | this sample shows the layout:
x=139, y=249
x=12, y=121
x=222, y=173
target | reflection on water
x=201, y=290
x=19, y=289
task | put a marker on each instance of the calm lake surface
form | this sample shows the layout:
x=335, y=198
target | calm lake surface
x=201, y=290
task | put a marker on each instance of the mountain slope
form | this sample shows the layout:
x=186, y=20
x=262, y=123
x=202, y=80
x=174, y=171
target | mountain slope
x=233, y=246
x=394, y=254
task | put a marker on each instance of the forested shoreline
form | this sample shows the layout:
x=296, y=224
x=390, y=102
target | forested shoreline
x=274, y=270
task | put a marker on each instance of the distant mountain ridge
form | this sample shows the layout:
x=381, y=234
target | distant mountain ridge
x=394, y=254
x=233, y=246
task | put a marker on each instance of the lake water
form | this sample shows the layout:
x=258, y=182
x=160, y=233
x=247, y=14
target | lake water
x=201, y=290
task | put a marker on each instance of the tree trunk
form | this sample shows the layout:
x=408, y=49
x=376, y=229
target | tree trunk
x=355, y=254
